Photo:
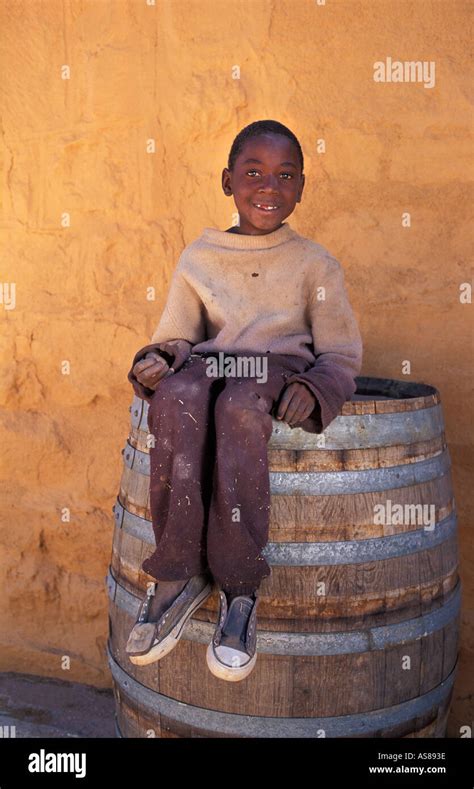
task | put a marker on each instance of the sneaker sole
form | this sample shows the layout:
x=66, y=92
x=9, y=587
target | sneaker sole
x=164, y=647
x=227, y=672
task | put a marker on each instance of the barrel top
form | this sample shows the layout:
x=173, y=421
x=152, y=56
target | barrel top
x=388, y=395
x=372, y=396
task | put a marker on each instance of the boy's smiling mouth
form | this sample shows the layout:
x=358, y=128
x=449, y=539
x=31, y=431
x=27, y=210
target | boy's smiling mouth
x=268, y=207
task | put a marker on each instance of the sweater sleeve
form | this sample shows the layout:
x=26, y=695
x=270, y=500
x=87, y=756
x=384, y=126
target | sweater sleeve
x=337, y=347
x=183, y=314
x=180, y=327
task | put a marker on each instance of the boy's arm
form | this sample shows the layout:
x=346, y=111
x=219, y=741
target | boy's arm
x=337, y=346
x=183, y=314
x=182, y=318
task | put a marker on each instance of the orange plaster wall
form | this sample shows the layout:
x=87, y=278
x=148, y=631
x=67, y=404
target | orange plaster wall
x=78, y=146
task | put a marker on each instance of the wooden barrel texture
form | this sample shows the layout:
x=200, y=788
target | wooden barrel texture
x=358, y=621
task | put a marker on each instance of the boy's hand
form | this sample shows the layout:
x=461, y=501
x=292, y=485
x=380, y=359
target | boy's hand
x=150, y=370
x=296, y=404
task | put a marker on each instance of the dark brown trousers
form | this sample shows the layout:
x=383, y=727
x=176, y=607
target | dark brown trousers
x=209, y=479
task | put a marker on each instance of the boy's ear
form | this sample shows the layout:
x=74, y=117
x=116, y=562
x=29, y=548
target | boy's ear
x=226, y=181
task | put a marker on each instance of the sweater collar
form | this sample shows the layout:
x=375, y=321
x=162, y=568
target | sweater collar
x=240, y=241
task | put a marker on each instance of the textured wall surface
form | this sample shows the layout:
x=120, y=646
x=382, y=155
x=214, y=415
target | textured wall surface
x=91, y=219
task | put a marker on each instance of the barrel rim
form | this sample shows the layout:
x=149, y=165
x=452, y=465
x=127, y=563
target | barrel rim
x=400, y=396
x=399, y=388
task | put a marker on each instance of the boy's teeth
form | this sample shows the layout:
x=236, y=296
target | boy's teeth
x=267, y=207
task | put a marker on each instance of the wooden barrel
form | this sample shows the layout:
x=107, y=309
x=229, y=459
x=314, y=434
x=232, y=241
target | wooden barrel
x=358, y=621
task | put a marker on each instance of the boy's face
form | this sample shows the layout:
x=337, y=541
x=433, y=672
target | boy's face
x=272, y=178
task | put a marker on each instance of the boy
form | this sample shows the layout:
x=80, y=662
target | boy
x=259, y=291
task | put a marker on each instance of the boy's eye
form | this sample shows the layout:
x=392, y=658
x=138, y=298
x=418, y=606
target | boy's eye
x=254, y=171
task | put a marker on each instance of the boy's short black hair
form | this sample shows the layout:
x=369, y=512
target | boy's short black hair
x=254, y=130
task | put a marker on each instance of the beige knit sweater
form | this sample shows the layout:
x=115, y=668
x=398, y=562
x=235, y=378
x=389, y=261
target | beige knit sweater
x=278, y=293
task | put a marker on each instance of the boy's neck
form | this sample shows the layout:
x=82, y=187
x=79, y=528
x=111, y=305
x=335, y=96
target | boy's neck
x=235, y=229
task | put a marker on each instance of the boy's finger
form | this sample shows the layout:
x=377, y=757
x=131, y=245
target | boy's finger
x=285, y=399
x=152, y=374
x=294, y=409
x=303, y=412
x=164, y=374
x=152, y=377
x=150, y=361
x=301, y=406
x=153, y=368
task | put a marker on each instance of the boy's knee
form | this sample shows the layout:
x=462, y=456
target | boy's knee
x=242, y=407
x=173, y=392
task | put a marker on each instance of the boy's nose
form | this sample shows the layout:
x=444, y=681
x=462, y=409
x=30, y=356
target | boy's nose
x=270, y=182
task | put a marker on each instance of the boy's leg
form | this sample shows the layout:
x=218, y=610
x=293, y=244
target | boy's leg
x=240, y=505
x=179, y=415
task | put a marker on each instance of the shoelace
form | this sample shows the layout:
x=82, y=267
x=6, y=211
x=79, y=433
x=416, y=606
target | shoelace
x=234, y=629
